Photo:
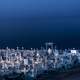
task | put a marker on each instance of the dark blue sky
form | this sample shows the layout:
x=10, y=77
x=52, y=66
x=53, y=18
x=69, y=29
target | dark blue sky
x=32, y=22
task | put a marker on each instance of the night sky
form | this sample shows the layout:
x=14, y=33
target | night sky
x=30, y=23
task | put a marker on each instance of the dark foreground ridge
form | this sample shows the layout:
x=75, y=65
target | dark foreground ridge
x=69, y=74
x=13, y=76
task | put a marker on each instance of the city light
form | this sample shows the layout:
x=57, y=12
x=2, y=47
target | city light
x=34, y=61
